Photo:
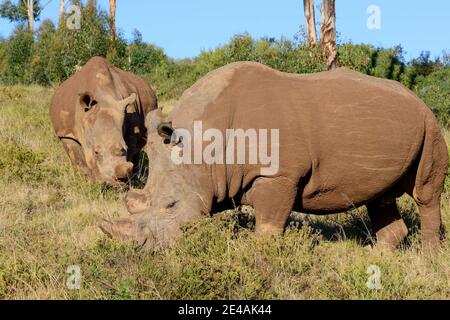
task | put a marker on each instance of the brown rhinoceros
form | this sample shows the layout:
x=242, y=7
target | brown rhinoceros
x=99, y=116
x=345, y=140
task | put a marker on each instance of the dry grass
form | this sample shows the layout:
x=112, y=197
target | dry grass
x=49, y=216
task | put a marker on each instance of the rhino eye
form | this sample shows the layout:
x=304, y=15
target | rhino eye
x=171, y=205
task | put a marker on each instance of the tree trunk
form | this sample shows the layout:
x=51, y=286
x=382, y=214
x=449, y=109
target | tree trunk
x=61, y=12
x=328, y=33
x=112, y=11
x=30, y=11
x=310, y=21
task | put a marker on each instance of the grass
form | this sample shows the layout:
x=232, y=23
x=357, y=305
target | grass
x=49, y=216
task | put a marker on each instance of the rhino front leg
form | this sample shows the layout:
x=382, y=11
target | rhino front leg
x=273, y=200
x=387, y=223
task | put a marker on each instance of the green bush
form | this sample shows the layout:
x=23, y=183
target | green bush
x=18, y=54
x=18, y=162
x=55, y=54
x=73, y=48
x=143, y=57
x=357, y=57
x=434, y=90
x=388, y=63
x=41, y=59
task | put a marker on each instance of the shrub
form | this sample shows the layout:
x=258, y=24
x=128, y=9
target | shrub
x=357, y=57
x=18, y=54
x=41, y=59
x=435, y=92
x=143, y=57
x=73, y=48
x=21, y=163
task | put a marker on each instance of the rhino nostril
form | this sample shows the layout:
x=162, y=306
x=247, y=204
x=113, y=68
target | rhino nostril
x=120, y=152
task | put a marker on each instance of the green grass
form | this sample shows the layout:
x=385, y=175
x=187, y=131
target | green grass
x=49, y=216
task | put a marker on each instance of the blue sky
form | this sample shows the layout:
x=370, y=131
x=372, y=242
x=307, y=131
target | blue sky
x=184, y=27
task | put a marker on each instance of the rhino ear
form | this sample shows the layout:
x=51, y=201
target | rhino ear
x=165, y=130
x=87, y=101
x=127, y=101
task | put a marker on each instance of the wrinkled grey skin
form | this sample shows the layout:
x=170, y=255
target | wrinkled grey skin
x=185, y=195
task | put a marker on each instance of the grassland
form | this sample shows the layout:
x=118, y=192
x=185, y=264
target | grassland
x=49, y=216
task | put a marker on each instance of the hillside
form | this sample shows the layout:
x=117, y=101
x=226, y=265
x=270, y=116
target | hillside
x=49, y=216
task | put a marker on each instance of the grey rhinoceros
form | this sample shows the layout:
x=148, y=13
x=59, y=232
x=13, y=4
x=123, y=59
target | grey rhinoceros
x=345, y=140
x=99, y=116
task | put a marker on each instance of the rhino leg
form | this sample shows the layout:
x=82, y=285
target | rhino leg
x=273, y=200
x=387, y=223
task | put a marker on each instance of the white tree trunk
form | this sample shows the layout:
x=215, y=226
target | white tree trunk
x=328, y=33
x=30, y=11
x=112, y=12
x=310, y=16
x=61, y=12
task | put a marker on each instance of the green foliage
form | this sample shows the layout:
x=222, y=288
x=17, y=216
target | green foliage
x=72, y=48
x=18, y=53
x=22, y=163
x=18, y=12
x=435, y=92
x=358, y=57
x=143, y=57
x=389, y=64
x=41, y=58
x=53, y=55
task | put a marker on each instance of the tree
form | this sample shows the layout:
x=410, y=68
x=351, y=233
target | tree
x=61, y=12
x=112, y=13
x=328, y=33
x=24, y=10
x=30, y=14
x=308, y=6
x=327, y=29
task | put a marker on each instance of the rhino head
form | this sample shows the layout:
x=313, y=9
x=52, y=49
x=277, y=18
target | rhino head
x=175, y=194
x=100, y=122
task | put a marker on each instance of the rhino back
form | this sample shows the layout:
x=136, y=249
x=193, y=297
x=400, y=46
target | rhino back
x=343, y=134
x=350, y=137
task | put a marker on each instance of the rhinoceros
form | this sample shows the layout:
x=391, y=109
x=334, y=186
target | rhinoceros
x=99, y=116
x=345, y=140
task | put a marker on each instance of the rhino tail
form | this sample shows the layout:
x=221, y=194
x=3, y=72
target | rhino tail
x=433, y=165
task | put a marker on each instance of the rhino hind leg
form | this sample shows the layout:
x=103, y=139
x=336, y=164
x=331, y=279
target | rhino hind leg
x=272, y=199
x=387, y=223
